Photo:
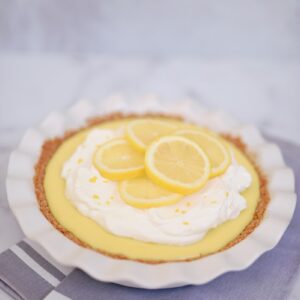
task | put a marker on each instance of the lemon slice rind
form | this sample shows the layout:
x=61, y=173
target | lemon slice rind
x=143, y=202
x=215, y=170
x=166, y=182
x=116, y=173
x=137, y=141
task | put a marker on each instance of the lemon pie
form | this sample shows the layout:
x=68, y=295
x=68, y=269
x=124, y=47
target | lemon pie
x=150, y=188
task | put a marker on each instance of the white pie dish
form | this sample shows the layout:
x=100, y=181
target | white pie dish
x=22, y=199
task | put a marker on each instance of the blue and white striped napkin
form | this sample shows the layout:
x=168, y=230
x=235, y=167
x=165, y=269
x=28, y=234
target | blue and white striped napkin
x=27, y=272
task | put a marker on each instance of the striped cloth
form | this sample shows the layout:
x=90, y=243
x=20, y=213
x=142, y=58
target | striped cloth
x=27, y=272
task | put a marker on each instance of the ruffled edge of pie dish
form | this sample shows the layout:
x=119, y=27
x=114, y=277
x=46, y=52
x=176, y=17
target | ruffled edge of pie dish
x=23, y=201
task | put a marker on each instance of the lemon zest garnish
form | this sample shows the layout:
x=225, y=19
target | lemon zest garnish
x=93, y=179
x=79, y=160
x=185, y=223
x=95, y=196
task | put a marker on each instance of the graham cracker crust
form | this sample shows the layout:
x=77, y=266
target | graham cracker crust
x=50, y=146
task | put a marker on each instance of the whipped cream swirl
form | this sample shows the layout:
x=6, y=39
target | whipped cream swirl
x=183, y=223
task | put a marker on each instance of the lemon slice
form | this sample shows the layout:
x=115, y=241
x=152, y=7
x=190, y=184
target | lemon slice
x=143, y=193
x=177, y=164
x=215, y=150
x=117, y=160
x=140, y=133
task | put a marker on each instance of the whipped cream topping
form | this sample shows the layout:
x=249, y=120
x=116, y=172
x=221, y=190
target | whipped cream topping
x=183, y=223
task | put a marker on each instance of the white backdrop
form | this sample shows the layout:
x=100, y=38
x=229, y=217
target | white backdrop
x=207, y=28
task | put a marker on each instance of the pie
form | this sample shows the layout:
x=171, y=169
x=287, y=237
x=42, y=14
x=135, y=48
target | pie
x=150, y=187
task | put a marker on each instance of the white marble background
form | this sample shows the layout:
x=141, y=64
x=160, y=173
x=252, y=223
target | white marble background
x=266, y=93
x=206, y=28
x=239, y=56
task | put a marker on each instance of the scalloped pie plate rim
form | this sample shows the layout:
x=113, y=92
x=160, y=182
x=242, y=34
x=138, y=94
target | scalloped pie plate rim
x=23, y=202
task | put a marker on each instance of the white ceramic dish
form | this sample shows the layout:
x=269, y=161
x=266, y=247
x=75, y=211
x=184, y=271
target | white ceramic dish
x=24, y=205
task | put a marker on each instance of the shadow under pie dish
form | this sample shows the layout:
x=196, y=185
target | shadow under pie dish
x=158, y=222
